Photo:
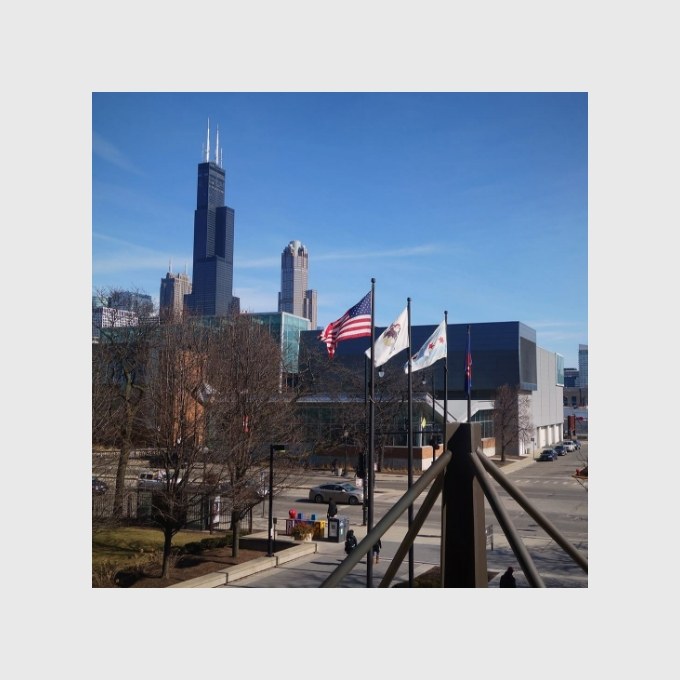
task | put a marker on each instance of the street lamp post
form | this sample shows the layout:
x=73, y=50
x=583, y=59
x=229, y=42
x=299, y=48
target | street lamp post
x=345, y=435
x=270, y=533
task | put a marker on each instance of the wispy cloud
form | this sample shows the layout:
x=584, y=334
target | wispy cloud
x=339, y=255
x=110, y=153
x=545, y=325
x=366, y=254
x=123, y=256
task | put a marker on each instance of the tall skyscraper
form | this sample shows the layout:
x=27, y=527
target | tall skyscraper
x=583, y=365
x=213, y=265
x=173, y=289
x=294, y=297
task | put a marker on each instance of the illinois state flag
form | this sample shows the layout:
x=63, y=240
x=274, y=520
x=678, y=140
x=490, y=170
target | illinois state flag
x=392, y=340
x=431, y=351
x=354, y=323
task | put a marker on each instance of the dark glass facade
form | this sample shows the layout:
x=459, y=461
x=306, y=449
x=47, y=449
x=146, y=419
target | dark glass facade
x=502, y=353
x=213, y=263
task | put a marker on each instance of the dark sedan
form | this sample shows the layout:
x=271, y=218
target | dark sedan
x=548, y=454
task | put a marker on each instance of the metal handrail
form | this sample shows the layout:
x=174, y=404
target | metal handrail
x=387, y=521
x=531, y=510
x=435, y=476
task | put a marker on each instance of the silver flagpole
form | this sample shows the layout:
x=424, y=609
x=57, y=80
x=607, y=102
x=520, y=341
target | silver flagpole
x=409, y=434
x=370, y=473
x=446, y=381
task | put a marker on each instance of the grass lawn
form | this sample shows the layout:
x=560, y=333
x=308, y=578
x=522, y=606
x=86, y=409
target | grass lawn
x=131, y=556
x=125, y=546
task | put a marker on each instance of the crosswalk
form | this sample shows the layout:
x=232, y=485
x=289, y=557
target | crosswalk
x=545, y=482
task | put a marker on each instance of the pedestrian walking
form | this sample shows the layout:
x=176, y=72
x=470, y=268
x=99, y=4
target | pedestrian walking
x=508, y=580
x=376, y=550
x=350, y=541
x=332, y=509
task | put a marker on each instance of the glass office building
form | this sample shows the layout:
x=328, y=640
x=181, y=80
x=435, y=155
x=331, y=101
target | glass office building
x=286, y=329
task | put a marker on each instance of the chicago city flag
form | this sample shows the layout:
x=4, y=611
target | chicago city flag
x=392, y=340
x=431, y=351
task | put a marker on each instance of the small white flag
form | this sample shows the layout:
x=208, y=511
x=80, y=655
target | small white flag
x=431, y=351
x=392, y=340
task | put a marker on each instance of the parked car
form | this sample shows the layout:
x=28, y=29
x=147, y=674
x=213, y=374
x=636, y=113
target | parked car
x=151, y=480
x=343, y=492
x=99, y=486
x=560, y=450
x=548, y=454
x=569, y=445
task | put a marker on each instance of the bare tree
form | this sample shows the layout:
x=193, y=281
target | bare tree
x=176, y=376
x=506, y=420
x=118, y=361
x=250, y=409
x=391, y=408
x=342, y=391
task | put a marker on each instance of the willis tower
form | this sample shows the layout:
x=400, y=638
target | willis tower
x=213, y=267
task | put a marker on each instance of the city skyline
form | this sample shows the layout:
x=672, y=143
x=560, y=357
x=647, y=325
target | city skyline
x=472, y=203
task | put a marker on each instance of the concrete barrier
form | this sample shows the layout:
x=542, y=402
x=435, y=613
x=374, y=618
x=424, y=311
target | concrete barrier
x=248, y=568
x=237, y=571
x=299, y=550
x=212, y=580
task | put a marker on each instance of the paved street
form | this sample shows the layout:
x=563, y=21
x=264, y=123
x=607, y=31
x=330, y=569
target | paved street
x=549, y=486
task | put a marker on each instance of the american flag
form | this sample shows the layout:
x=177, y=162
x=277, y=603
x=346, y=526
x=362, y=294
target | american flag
x=354, y=323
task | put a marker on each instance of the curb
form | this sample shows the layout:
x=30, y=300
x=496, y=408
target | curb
x=238, y=571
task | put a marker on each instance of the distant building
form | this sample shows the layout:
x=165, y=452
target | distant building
x=503, y=353
x=173, y=289
x=213, y=263
x=294, y=297
x=130, y=301
x=571, y=377
x=583, y=365
x=107, y=317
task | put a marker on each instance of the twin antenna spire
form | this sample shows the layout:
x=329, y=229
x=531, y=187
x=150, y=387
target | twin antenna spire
x=218, y=151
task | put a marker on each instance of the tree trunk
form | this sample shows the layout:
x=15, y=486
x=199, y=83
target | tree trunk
x=235, y=532
x=124, y=456
x=167, y=551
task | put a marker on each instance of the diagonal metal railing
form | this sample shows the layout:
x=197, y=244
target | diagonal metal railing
x=459, y=479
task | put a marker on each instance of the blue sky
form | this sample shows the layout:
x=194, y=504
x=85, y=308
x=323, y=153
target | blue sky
x=474, y=203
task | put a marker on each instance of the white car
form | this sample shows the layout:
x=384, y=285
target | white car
x=569, y=445
x=153, y=480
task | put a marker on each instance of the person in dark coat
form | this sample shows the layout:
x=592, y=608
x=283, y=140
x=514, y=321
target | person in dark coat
x=376, y=550
x=350, y=541
x=332, y=509
x=508, y=580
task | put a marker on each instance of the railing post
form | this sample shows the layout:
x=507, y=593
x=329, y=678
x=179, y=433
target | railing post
x=463, y=553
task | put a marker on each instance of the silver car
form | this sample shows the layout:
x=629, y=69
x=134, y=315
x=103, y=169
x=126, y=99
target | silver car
x=340, y=492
